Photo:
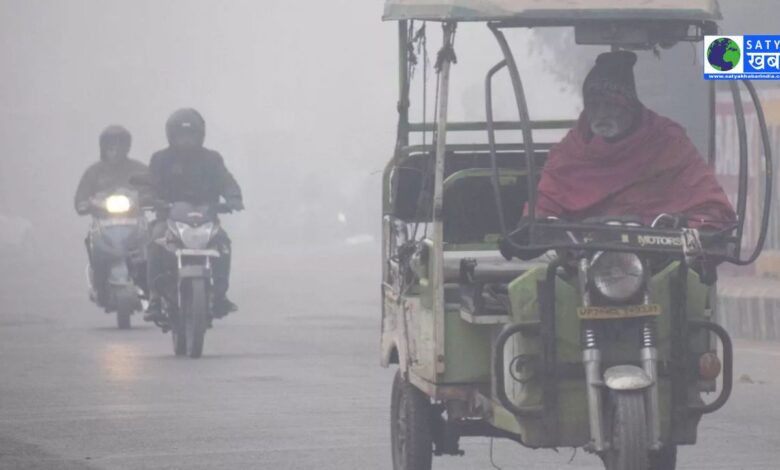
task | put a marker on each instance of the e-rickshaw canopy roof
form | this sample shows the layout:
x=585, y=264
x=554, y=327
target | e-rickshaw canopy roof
x=551, y=11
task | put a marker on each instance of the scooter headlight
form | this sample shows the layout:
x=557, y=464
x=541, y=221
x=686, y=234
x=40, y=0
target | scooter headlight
x=118, y=204
x=196, y=238
x=617, y=276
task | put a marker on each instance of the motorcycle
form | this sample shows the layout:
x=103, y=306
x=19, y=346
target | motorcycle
x=193, y=241
x=115, y=246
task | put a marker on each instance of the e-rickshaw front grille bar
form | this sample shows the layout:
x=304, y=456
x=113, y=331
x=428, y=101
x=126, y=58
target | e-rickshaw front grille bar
x=545, y=328
x=728, y=366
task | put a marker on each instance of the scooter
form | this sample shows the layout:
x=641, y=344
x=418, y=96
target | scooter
x=115, y=245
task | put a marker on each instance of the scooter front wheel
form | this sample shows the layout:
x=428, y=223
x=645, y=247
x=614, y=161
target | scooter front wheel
x=123, y=318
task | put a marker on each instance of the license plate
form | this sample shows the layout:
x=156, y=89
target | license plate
x=613, y=313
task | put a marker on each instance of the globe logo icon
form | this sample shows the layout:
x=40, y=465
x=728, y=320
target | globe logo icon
x=723, y=54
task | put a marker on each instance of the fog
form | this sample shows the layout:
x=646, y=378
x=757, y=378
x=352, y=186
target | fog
x=298, y=97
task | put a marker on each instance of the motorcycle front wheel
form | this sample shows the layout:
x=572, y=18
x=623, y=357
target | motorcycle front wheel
x=195, y=316
x=178, y=334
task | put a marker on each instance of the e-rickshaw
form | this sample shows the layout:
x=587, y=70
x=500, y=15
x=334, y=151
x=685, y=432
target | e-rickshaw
x=611, y=343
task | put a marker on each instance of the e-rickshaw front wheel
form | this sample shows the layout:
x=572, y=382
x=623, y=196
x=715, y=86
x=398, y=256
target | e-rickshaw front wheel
x=628, y=431
x=411, y=426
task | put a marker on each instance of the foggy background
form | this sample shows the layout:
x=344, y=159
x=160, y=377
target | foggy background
x=300, y=97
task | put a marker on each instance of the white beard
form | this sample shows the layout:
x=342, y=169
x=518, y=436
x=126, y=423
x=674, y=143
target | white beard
x=605, y=128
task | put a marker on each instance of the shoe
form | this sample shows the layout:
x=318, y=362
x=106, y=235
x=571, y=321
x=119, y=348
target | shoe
x=154, y=310
x=223, y=306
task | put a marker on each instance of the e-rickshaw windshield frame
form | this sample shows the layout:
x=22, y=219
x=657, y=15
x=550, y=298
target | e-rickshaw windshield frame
x=719, y=246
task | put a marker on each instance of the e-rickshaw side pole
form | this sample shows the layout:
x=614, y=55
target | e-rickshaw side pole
x=437, y=273
x=402, y=134
x=403, y=85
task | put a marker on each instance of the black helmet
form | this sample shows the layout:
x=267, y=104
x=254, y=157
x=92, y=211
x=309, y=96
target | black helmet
x=185, y=120
x=116, y=136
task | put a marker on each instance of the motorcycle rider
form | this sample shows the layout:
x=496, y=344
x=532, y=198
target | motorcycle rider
x=112, y=171
x=186, y=171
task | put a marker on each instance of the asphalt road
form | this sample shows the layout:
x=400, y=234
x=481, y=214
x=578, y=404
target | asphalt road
x=290, y=382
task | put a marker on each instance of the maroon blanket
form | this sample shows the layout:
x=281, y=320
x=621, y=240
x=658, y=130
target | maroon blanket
x=654, y=170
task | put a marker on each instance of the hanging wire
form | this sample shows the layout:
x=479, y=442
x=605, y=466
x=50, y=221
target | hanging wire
x=493, y=462
x=446, y=53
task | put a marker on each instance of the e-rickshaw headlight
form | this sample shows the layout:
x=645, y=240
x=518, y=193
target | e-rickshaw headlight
x=617, y=276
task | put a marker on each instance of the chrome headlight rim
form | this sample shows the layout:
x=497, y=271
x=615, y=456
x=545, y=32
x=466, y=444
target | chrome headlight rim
x=617, y=276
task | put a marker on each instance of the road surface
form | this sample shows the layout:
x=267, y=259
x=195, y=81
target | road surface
x=290, y=382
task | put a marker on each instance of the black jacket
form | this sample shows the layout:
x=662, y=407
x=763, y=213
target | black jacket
x=105, y=176
x=197, y=177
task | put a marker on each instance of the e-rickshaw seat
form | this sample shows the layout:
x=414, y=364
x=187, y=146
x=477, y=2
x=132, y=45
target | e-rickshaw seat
x=470, y=210
x=414, y=173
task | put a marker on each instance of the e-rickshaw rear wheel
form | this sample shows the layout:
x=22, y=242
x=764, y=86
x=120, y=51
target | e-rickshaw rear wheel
x=411, y=426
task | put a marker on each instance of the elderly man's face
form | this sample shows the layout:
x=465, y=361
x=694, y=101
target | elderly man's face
x=606, y=118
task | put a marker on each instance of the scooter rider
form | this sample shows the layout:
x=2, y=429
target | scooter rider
x=112, y=171
x=188, y=172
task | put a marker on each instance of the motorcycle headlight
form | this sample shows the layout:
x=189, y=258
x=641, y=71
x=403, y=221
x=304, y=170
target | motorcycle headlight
x=617, y=276
x=118, y=204
x=196, y=238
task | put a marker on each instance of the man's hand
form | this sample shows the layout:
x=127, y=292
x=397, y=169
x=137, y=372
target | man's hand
x=83, y=207
x=521, y=236
x=235, y=205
